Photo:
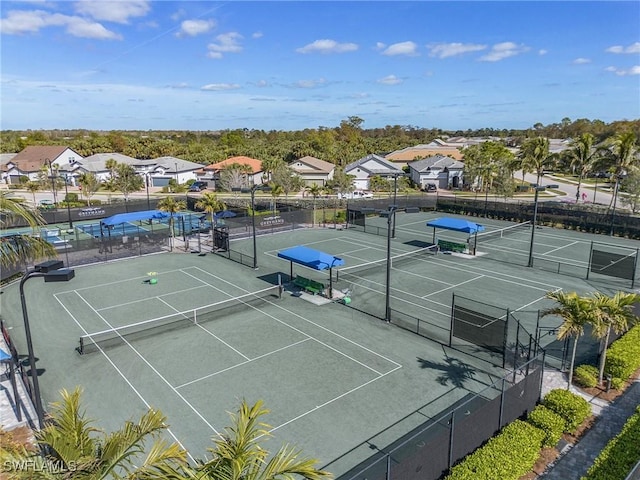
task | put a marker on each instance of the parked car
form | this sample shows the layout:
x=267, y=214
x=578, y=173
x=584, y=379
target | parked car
x=430, y=187
x=46, y=205
x=198, y=186
x=356, y=194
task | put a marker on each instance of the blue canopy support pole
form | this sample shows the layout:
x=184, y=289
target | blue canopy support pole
x=291, y=271
x=330, y=283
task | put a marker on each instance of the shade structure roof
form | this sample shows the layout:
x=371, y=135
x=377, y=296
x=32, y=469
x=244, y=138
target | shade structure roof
x=133, y=216
x=311, y=258
x=456, y=224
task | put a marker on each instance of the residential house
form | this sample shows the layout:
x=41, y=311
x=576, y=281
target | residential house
x=5, y=158
x=417, y=152
x=30, y=162
x=211, y=173
x=368, y=167
x=313, y=170
x=444, y=172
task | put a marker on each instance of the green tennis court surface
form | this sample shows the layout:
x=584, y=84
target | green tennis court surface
x=211, y=332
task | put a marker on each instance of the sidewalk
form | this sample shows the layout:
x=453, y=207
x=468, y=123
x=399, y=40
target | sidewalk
x=574, y=462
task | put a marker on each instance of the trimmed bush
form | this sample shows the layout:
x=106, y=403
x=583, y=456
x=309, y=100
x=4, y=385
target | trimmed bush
x=621, y=453
x=552, y=424
x=507, y=456
x=586, y=376
x=617, y=383
x=573, y=408
x=623, y=356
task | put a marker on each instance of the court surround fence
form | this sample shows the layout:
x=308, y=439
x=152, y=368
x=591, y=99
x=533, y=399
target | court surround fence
x=428, y=451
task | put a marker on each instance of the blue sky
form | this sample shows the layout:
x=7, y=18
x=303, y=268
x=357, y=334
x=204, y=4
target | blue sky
x=189, y=65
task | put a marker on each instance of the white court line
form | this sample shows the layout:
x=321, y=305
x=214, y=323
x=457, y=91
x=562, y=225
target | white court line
x=158, y=297
x=562, y=260
x=210, y=333
x=559, y=248
x=322, y=327
x=286, y=324
x=102, y=285
x=122, y=375
x=124, y=340
x=453, y=286
x=333, y=400
x=204, y=377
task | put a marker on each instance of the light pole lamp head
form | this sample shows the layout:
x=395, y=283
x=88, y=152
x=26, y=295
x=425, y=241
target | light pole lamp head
x=49, y=266
x=61, y=275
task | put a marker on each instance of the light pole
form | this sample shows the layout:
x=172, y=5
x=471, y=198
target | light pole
x=391, y=213
x=537, y=188
x=52, y=177
x=146, y=183
x=66, y=199
x=52, y=271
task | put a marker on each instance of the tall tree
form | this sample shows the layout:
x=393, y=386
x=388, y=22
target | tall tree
x=32, y=188
x=576, y=312
x=78, y=450
x=536, y=156
x=612, y=313
x=210, y=204
x=127, y=180
x=172, y=207
x=287, y=179
x=623, y=153
x=21, y=249
x=582, y=156
x=90, y=185
x=238, y=454
x=315, y=191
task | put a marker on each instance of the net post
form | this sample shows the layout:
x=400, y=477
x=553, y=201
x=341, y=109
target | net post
x=635, y=269
x=590, y=260
x=280, y=286
x=80, y=348
x=195, y=316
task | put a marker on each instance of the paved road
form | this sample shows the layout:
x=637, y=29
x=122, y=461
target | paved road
x=601, y=197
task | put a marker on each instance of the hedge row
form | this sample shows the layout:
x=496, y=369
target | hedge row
x=513, y=452
x=623, y=356
x=621, y=453
x=507, y=456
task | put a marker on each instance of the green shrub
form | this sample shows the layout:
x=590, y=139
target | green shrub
x=71, y=197
x=586, y=376
x=552, y=424
x=507, y=456
x=573, y=408
x=617, y=383
x=621, y=453
x=623, y=356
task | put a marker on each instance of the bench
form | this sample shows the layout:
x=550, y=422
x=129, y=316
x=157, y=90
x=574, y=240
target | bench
x=448, y=246
x=310, y=286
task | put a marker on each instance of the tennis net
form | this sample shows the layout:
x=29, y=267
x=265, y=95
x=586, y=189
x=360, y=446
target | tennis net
x=397, y=261
x=502, y=232
x=116, y=336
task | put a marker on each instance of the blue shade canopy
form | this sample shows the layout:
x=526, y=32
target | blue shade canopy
x=134, y=216
x=224, y=214
x=311, y=258
x=456, y=225
x=4, y=356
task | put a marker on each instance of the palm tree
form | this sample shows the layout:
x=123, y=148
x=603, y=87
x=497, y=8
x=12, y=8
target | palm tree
x=536, y=156
x=210, y=204
x=612, y=313
x=582, y=155
x=276, y=191
x=315, y=191
x=32, y=187
x=172, y=206
x=576, y=312
x=79, y=450
x=239, y=456
x=90, y=185
x=623, y=153
x=17, y=249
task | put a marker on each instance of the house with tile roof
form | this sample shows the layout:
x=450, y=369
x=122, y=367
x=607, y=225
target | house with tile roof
x=211, y=173
x=313, y=170
x=370, y=166
x=417, y=152
x=30, y=161
x=444, y=172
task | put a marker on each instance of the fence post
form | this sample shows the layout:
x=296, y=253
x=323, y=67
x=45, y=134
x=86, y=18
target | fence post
x=502, y=399
x=451, y=440
x=388, y=472
x=453, y=304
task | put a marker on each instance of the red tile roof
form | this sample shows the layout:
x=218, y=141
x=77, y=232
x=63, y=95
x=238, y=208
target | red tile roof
x=255, y=164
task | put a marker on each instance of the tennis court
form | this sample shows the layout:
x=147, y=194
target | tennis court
x=211, y=332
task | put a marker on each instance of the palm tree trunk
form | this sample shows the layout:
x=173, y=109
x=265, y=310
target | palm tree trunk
x=578, y=189
x=603, y=356
x=572, y=363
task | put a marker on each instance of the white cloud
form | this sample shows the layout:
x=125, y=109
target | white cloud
x=226, y=43
x=193, y=28
x=216, y=87
x=402, y=48
x=635, y=70
x=310, y=83
x=444, y=50
x=21, y=21
x=390, y=80
x=380, y=46
x=113, y=11
x=633, y=48
x=503, y=50
x=581, y=61
x=262, y=83
x=327, y=46
x=542, y=52
x=257, y=35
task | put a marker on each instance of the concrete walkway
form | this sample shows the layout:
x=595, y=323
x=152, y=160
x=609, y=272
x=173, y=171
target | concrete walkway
x=575, y=461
